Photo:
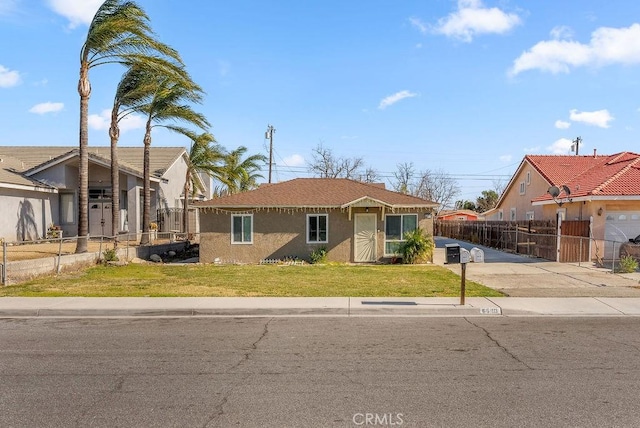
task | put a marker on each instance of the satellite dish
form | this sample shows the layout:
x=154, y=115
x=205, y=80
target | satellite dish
x=566, y=189
x=554, y=191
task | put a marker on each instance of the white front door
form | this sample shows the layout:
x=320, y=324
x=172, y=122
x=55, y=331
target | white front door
x=100, y=218
x=365, y=238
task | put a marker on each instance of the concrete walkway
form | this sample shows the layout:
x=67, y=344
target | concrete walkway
x=17, y=307
x=521, y=276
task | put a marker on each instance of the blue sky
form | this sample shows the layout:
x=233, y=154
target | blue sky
x=465, y=86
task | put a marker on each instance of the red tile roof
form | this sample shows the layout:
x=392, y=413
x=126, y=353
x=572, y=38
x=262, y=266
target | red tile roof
x=602, y=175
x=316, y=192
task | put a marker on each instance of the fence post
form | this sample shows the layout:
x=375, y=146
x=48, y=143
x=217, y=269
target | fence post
x=4, y=262
x=59, y=254
x=613, y=258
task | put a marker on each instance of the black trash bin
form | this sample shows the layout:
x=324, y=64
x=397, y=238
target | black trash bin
x=452, y=252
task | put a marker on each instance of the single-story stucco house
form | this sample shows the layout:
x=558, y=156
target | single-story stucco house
x=354, y=221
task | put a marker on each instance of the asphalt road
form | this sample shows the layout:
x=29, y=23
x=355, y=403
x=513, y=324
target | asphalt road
x=316, y=372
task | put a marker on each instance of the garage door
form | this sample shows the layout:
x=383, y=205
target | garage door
x=620, y=227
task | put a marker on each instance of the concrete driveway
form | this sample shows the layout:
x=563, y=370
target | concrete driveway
x=521, y=276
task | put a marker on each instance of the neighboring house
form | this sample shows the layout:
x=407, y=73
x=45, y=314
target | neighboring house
x=39, y=187
x=356, y=222
x=605, y=188
x=458, y=215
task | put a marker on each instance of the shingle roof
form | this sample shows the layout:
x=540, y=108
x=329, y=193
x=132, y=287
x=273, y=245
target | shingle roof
x=315, y=192
x=10, y=175
x=32, y=157
x=602, y=175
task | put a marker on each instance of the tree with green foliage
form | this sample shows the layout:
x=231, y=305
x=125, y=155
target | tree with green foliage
x=119, y=33
x=238, y=174
x=487, y=201
x=205, y=158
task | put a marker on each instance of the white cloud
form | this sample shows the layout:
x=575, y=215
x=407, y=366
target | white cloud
x=102, y=121
x=8, y=78
x=419, y=25
x=48, y=107
x=535, y=149
x=392, y=99
x=561, y=32
x=294, y=160
x=607, y=46
x=560, y=147
x=472, y=19
x=506, y=158
x=561, y=124
x=600, y=118
x=78, y=12
x=7, y=6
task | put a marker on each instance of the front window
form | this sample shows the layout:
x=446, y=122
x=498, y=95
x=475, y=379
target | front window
x=67, y=208
x=242, y=229
x=317, y=228
x=395, y=228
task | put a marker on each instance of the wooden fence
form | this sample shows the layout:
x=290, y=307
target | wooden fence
x=537, y=238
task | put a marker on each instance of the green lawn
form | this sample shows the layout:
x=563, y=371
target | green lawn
x=252, y=280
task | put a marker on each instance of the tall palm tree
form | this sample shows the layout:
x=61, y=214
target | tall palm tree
x=239, y=175
x=131, y=93
x=205, y=158
x=118, y=33
x=167, y=104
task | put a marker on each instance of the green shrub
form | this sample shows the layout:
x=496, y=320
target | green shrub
x=110, y=255
x=318, y=255
x=416, y=248
x=627, y=264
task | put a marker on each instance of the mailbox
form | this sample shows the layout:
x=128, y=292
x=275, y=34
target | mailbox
x=465, y=256
x=452, y=252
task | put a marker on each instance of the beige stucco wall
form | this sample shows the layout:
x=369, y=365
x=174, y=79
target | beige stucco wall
x=280, y=234
x=522, y=202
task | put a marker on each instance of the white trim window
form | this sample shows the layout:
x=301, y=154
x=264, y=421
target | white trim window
x=528, y=177
x=512, y=214
x=523, y=189
x=530, y=215
x=500, y=215
x=395, y=227
x=317, y=228
x=242, y=228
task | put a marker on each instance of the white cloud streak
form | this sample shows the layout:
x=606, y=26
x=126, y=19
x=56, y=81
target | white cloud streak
x=102, y=121
x=600, y=118
x=78, y=12
x=473, y=19
x=561, y=124
x=48, y=107
x=294, y=160
x=560, y=147
x=392, y=99
x=419, y=25
x=607, y=46
x=8, y=78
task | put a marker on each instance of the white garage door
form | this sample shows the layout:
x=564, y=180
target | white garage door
x=620, y=227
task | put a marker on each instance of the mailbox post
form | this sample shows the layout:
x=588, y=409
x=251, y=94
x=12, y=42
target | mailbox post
x=465, y=257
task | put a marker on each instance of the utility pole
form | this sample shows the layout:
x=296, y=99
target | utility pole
x=576, y=145
x=269, y=135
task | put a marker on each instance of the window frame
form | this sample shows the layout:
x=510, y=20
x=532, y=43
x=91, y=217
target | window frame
x=401, y=240
x=308, y=228
x=530, y=215
x=513, y=214
x=233, y=241
x=523, y=188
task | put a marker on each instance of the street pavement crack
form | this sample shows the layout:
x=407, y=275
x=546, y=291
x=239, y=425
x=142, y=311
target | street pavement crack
x=498, y=344
x=247, y=355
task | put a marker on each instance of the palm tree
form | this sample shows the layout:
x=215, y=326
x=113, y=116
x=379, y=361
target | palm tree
x=118, y=33
x=205, y=157
x=166, y=103
x=239, y=175
x=130, y=94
